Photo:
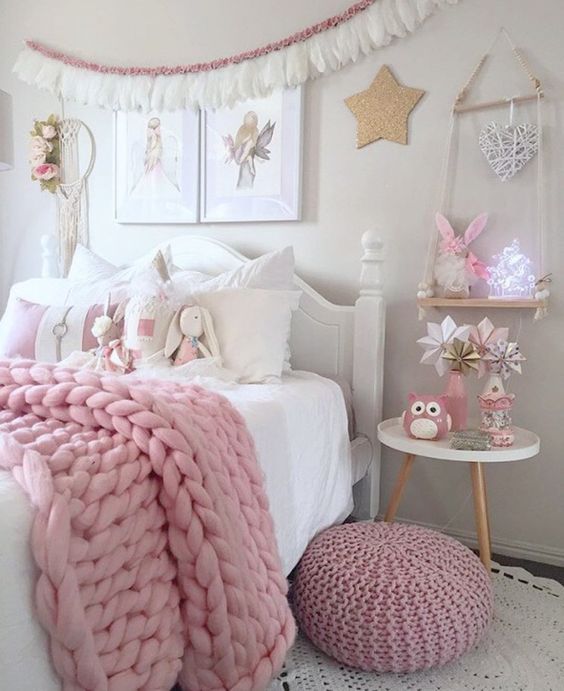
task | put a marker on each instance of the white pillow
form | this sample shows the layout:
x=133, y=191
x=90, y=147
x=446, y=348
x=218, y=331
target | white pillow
x=272, y=271
x=43, y=291
x=252, y=327
x=94, y=278
x=88, y=266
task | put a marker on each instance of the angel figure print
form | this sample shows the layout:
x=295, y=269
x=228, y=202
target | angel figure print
x=191, y=335
x=457, y=268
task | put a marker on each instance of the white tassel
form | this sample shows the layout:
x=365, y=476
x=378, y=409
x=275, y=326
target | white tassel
x=407, y=12
x=360, y=28
x=392, y=22
x=320, y=54
x=376, y=27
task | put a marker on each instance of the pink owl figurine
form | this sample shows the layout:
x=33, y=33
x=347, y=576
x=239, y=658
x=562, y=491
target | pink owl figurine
x=426, y=417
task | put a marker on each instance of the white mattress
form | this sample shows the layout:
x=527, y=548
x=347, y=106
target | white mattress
x=301, y=438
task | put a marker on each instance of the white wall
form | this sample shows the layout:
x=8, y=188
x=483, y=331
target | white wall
x=345, y=192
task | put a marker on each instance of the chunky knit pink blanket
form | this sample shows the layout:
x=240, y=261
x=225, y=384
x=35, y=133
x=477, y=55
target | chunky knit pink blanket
x=152, y=534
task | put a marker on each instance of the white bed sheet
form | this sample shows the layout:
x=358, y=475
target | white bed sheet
x=301, y=438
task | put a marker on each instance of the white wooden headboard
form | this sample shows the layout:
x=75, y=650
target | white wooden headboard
x=332, y=340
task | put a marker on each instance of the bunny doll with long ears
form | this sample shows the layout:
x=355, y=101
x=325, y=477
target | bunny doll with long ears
x=189, y=327
x=456, y=267
x=111, y=355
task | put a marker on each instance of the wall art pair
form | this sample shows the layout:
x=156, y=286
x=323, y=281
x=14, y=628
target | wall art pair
x=211, y=166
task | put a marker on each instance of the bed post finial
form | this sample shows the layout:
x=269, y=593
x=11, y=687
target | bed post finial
x=49, y=257
x=372, y=259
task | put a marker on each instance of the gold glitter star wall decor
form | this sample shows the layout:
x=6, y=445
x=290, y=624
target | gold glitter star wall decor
x=382, y=110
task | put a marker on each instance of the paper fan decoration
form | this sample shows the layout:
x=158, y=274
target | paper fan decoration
x=504, y=358
x=484, y=334
x=438, y=337
x=461, y=356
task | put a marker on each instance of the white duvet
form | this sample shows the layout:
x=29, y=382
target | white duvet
x=301, y=438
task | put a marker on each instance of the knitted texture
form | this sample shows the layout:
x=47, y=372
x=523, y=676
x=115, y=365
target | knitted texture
x=389, y=597
x=152, y=534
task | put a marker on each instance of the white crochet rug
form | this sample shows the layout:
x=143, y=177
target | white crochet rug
x=523, y=650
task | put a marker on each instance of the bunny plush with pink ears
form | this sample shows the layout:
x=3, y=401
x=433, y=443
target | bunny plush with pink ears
x=456, y=267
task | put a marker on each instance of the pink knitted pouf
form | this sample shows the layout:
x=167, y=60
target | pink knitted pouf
x=389, y=597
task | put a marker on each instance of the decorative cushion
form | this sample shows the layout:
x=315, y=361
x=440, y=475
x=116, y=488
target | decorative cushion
x=252, y=327
x=271, y=271
x=389, y=597
x=46, y=332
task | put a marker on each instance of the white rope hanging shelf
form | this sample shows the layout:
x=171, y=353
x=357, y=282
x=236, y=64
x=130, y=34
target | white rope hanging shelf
x=317, y=50
x=426, y=297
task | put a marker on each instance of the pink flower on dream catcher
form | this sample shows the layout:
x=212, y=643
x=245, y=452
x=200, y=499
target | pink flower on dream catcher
x=249, y=144
x=456, y=267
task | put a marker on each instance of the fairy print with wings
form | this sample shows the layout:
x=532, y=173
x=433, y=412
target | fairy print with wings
x=249, y=144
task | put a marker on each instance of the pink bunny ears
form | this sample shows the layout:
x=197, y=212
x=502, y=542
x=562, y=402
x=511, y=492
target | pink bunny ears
x=457, y=244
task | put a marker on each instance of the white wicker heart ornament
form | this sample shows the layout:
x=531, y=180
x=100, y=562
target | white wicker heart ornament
x=508, y=148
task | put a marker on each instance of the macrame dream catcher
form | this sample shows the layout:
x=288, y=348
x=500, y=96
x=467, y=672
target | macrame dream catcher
x=507, y=148
x=71, y=193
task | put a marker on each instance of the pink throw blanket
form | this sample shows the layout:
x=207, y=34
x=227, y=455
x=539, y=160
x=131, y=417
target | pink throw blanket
x=152, y=534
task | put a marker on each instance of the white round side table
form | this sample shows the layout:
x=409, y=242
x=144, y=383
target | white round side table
x=392, y=434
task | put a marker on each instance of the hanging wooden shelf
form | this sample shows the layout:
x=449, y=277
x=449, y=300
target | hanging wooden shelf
x=446, y=247
x=482, y=303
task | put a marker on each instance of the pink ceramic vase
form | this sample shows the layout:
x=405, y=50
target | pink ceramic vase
x=457, y=400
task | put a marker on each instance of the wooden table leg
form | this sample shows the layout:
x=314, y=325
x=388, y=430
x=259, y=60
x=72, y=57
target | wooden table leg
x=399, y=487
x=481, y=511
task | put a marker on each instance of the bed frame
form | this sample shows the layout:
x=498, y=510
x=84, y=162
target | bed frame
x=337, y=341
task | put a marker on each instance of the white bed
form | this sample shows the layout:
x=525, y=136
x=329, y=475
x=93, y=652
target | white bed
x=300, y=429
x=301, y=437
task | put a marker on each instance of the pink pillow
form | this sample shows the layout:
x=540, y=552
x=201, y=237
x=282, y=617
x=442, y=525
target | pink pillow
x=47, y=333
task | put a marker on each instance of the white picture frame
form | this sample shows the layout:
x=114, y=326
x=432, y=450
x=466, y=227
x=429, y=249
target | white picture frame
x=266, y=186
x=157, y=167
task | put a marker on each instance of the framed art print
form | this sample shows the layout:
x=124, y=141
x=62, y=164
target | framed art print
x=251, y=160
x=156, y=167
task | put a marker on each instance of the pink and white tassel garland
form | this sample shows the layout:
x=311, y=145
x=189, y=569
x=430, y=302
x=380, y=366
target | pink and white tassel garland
x=319, y=49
